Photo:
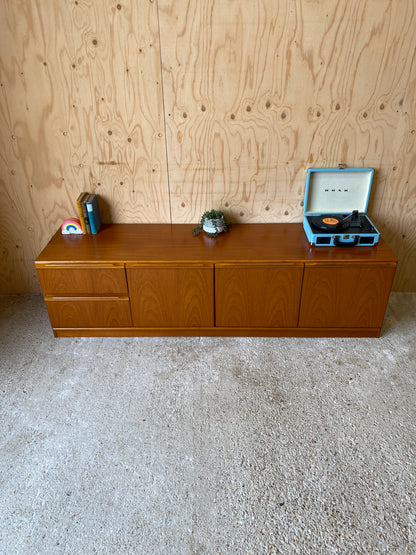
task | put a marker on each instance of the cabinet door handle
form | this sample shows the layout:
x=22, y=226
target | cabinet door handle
x=339, y=243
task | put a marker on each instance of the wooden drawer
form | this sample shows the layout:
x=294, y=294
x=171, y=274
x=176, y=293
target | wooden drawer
x=80, y=280
x=88, y=313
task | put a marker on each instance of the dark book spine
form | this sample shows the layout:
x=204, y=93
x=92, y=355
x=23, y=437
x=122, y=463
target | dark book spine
x=85, y=214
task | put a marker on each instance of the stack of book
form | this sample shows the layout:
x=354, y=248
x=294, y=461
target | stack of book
x=89, y=214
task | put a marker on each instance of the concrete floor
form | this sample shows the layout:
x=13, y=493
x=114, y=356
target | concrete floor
x=206, y=445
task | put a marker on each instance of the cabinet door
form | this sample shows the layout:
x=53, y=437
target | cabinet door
x=257, y=295
x=345, y=295
x=171, y=295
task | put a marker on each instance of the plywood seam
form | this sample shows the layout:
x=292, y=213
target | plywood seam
x=164, y=112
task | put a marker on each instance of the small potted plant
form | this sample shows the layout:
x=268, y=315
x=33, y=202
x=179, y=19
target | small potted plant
x=213, y=222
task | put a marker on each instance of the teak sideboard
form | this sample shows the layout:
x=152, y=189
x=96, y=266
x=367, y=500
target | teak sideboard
x=258, y=279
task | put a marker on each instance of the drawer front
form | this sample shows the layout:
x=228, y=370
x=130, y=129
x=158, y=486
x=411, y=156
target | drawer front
x=89, y=313
x=83, y=280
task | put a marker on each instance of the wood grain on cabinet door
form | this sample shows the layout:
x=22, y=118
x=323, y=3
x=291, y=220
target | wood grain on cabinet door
x=257, y=295
x=353, y=295
x=177, y=295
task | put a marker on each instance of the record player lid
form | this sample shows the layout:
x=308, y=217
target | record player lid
x=337, y=191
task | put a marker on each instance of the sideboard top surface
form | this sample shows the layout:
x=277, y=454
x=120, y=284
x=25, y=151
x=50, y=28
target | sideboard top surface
x=129, y=243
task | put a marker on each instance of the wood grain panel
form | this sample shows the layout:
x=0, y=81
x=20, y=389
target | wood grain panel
x=257, y=296
x=253, y=93
x=395, y=203
x=175, y=246
x=80, y=109
x=268, y=88
x=73, y=281
x=171, y=297
x=77, y=313
x=354, y=296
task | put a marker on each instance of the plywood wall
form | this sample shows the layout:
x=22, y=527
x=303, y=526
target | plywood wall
x=167, y=108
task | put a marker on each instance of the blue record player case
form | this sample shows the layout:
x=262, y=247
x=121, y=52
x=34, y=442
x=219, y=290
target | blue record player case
x=335, y=207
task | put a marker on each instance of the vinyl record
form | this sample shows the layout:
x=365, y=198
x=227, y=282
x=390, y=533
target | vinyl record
x=329, y=222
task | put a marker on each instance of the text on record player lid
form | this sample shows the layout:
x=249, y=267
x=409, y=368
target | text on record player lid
x=337, y=191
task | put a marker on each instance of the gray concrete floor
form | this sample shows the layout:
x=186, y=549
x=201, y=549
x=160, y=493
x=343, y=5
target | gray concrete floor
x=206, y=445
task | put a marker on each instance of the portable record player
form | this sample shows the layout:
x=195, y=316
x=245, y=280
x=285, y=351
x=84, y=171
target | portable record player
x=335, y=207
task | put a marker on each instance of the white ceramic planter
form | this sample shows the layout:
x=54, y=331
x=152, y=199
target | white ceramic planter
x=213, y=226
